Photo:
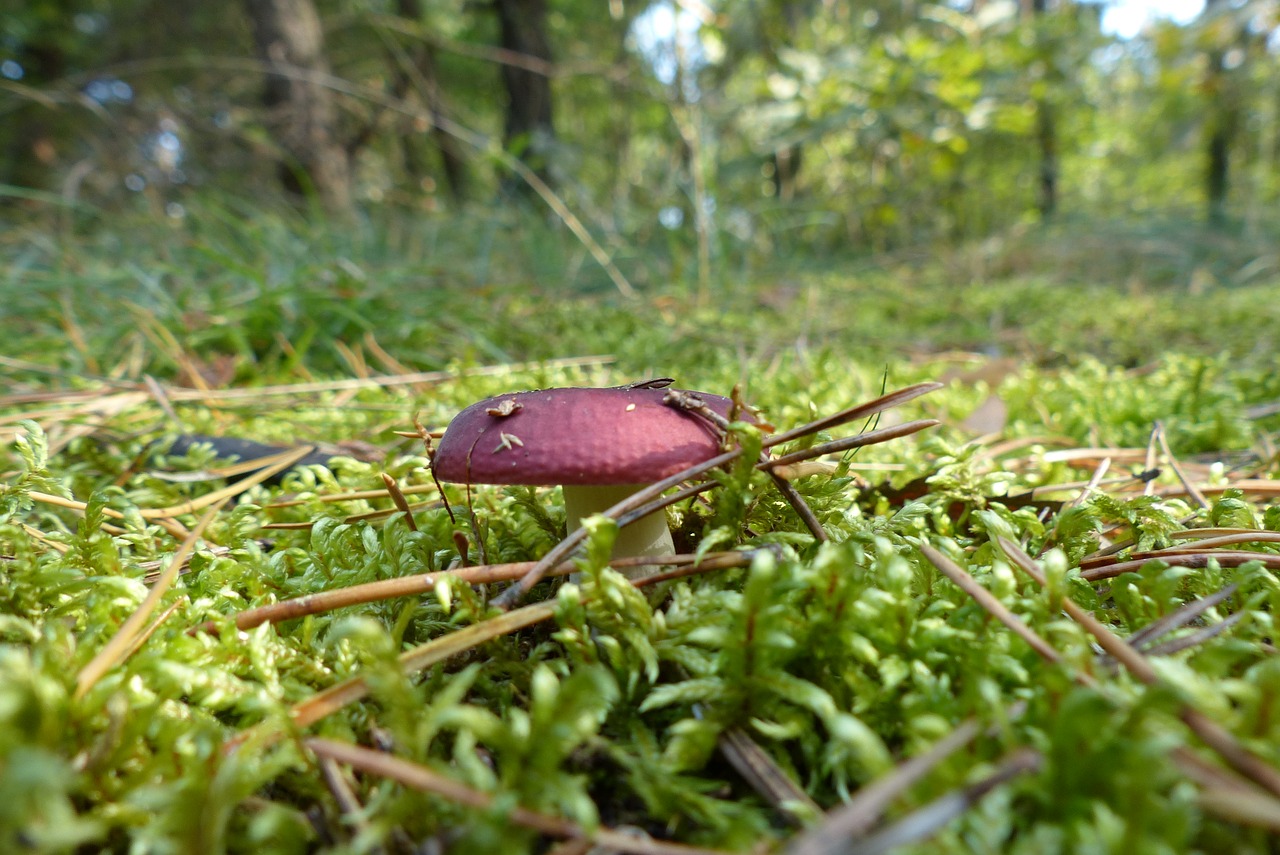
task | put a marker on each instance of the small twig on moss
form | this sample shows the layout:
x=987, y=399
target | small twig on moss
x=422, y=583
x=427, y=780
x=425, y=655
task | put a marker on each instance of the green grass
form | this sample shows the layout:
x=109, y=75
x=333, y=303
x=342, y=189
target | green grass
x=841, y=660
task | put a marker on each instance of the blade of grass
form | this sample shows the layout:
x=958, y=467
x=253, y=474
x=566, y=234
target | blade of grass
x=126, y=639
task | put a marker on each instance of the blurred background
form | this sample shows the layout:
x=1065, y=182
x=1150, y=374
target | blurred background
x=737, y=130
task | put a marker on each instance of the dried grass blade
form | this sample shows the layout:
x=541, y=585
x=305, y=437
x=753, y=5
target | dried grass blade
x=125, y=641
x=988, y=601
x=856, y=817
x=422, y=778
x=1211, y=733
x=930, y=819
x=349, y=691
x=871, y=437
x=1195, y=495
x=766, y=777
x=279, y=462
x=859, y=411
x=1180, y=616
x=1246, y=808
x=257, y=392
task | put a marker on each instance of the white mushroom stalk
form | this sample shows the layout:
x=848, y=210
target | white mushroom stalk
x=647, y=537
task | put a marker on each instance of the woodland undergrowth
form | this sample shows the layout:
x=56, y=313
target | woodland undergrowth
x=1038, y=617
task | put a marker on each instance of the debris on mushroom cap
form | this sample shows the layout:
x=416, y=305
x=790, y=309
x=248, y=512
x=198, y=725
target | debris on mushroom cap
x=576, y=436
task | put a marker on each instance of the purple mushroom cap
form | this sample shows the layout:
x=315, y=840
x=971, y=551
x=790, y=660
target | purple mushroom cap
x=577, y=436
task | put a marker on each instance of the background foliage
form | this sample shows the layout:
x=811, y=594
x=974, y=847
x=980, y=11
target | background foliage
x=763, y=127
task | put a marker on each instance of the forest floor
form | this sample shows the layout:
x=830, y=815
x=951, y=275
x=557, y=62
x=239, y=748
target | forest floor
x=1098, y=463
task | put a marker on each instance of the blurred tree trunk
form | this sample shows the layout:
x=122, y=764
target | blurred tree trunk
x=1046, y=129
x=1220, y=122
x=300, y=112
x=529, y=132
x=34, y=145
x=453, y=161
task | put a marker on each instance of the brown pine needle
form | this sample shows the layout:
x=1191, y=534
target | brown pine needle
x=766, y=777
x=1195, y=495
x=1209, y=538
x=353, y=496
x=425, y=655
x=988, y=601
x=1212, y=734
x=131, y=633
x=419, y=777
x=854, y=413
x=1224, y=558
x=860, y=814
x=422, y=583
x=927, y=821
x=337, y=696
x=1246, y=808
x=1181, y=616
x=871, y=437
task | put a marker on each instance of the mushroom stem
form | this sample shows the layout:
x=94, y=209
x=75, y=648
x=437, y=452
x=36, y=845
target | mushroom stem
x=646, y=536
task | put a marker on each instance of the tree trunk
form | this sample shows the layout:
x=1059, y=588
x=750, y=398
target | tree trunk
x=36, y=132
x=1218, y=128
x=1047, y=139
x=300, y=112
x=529, y=131
x=452, y=159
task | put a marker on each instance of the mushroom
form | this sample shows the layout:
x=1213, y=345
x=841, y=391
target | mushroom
x=600, y=445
